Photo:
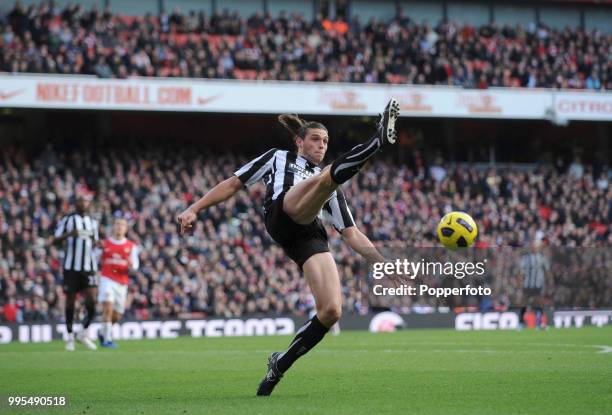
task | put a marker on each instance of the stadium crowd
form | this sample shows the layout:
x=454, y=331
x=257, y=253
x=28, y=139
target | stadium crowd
x=45, y=39
x=229, y=266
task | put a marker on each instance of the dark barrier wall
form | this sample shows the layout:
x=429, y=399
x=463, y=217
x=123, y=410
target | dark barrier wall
x=256, y=326
x=267, y=326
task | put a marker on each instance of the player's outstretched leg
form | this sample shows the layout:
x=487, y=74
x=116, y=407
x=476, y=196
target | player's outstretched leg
x=307, y=337
x=273, y=376
x=349, y=164
x=324, y=282
x=304, y=201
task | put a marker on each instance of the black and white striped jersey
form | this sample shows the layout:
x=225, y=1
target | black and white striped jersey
x=280, y=170
x=79, y=251
x=535, y=266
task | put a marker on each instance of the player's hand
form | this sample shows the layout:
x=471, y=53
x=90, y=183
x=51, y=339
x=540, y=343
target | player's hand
x=396, y=280
x=186, y=220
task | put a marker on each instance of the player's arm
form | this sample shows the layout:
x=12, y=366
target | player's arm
x=64, y=230
x=59, y=239
x=134, y=258
x=361, y=244
x=216, y=195
x=97, y=240
x=337, y=212
x=245, y=176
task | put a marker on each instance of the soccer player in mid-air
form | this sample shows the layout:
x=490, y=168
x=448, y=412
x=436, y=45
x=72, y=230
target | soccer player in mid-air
x=298, y=194
x=119, y=255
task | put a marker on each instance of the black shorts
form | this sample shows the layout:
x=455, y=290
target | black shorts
x=531, y=294
x=299, y=242
x=75, y=281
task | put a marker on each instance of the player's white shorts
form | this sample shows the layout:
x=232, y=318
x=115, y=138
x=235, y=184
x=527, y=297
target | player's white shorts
x=112, y=291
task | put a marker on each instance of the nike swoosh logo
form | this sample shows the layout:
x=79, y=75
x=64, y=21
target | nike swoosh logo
x=450, y=220
x=9, y=95
x=204, y=101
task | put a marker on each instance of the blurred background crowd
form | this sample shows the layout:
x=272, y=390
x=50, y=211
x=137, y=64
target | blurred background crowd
x=43, y=38
x=230, y=267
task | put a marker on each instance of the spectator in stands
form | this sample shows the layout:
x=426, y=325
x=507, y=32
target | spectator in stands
x=230, y=267
x=74, y=41
x=9, y=311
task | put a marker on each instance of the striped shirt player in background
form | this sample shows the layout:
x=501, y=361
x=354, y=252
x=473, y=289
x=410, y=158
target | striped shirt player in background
x=119, y=255
x=298, y=195
x=78, y=232
x=535, y=267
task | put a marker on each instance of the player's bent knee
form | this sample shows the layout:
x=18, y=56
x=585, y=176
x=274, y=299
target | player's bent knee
x=330, y=315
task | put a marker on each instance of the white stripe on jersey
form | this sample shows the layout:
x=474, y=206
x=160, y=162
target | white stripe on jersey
x=333, y=212
x=69, y=243
x=350, y=215
x=335, y=208
x=61, y=227
x=301, y=162
x=256, y=169
x=78, y=250
x=94, y=259
x=279, y=177
x=88, y=245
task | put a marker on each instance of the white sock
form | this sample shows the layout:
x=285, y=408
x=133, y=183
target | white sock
x=108, y=331
x=83, y=333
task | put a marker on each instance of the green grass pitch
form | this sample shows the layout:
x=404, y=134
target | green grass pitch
x=408, y=372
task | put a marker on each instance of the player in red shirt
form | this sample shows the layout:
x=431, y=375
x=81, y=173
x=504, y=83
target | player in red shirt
x=118, y=256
